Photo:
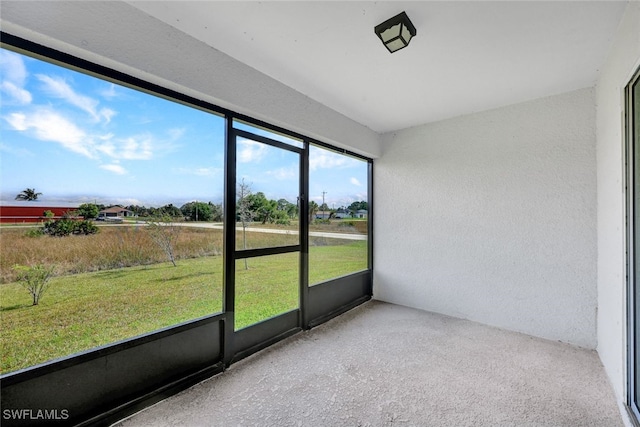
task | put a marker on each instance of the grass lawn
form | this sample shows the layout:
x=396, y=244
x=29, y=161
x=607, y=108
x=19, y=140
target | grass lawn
x=82, y=311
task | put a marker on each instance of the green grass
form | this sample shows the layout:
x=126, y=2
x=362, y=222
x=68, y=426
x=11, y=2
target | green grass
x=268, y=287
x=82, y=311
x=329, y=262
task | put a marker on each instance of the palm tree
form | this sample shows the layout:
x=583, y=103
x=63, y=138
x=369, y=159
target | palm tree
x=28, y=195
x=313, y=208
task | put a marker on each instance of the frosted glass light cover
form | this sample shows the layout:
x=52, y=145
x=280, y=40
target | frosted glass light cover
x=396, y=33
x=391, y=33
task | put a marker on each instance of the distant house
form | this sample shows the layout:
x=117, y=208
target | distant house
x=342, y=213
x=323, y=214
x=114, y=212
x=362, y=213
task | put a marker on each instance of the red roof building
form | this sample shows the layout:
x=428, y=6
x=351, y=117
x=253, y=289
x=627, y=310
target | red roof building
x=28, y=212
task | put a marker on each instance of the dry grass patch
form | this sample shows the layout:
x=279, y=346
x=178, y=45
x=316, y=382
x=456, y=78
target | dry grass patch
x=113, y=247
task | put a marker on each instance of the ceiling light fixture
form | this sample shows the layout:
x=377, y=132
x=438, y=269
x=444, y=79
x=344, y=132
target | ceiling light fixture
x=396, y=33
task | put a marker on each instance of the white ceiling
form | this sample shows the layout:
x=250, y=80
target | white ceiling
x=466, y=57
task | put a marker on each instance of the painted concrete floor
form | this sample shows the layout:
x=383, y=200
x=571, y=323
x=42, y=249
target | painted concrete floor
x=386, y=365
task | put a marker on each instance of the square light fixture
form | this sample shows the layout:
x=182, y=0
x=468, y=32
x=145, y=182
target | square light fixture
x=396, y=33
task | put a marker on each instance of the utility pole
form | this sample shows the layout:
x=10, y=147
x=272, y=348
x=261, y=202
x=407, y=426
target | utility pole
x=323, y=193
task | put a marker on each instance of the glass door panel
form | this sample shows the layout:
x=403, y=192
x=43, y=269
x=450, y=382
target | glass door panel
x=266, y=287
x=267, y=229
x=267, y=191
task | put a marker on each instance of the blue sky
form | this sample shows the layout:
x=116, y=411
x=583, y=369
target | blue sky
x=76, y=138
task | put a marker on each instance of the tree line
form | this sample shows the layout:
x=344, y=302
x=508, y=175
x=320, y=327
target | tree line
x=251, y=207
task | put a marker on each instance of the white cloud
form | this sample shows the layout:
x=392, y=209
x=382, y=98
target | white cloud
x=48, y=125
x=139, y=147
x=250, y=151
x=126, y=201
x=323, y=159
x=13, y=68
x=355, y=181
x=107, y=114
x=110, y=92
x=211, y=171
x=22, y=152
x=14, y=75
x=19, y=95
x=59, y=88
x=117, y=169
x=282, y=174
x=175, y=133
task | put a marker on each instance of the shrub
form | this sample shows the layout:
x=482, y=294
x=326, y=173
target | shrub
x=61, y=227
x=85, y=227
x=35, y=232
x=164, y=232
x=346, y=224
x=65, y=227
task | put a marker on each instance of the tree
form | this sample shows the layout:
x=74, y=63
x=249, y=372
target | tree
x=28, y=195
x=244, y=212
x=164, y=232
x=88, y=210
x=313, y=208
x=35, y=279
x=262, y=208
x=216, y=212
x=356, y=206
x=138, y=210
x=198, y=211
x=170, y=210
x=291, y=209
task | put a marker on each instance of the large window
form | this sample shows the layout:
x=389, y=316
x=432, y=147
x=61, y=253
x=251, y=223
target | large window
x=115, y=200
x=338, y=215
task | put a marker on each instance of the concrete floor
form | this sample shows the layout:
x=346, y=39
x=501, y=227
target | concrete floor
x=382, y=364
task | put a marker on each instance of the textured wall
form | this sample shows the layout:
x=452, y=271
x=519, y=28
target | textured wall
x=492, y=217
x=117, y=35
x=623, y=60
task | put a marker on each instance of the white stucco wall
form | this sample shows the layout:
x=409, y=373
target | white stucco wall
x=492, y=217
x=623, y=60
x=116, y=35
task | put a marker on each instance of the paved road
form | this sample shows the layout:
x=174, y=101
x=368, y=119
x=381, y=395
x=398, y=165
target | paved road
x=218, y=226
x=345, y=236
